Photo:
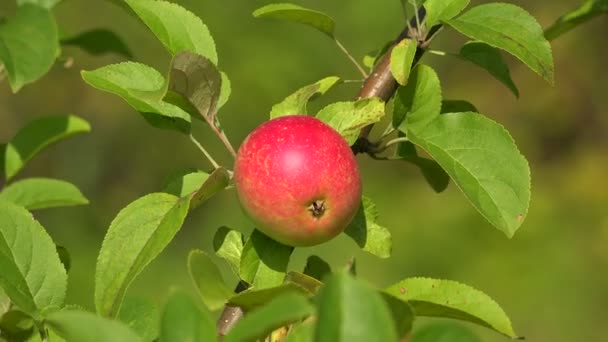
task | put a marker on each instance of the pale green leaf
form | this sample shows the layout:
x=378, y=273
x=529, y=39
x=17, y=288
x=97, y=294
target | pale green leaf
x=308, y=283
x=208, y=280
x=264, y=261
x=402, y=57
x=367, y=233
x=298, y=14
x=348, y=118
x=304, y=332
x=36, y=136
x=183, y=320
x=98, y=42
x=177, y=28
x=228, y=244
x=142, y=316
x=444, y=332
x=450, y=299
x=185, y=183
x=490, y=59
x=218, y=180
x=136, y=237
x=577, y=16
x=42, y=3
x=440, y=10
x=252, y=298
x=225, y=91
x=32, y=274
x=29, y=45
x=82, y=326
x=419, y=102
x=42, y=193
x=295, y=104
x=510, y=28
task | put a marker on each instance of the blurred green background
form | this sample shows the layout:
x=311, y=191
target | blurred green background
x=550, y=278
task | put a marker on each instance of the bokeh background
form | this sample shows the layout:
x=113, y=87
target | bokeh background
x=550, y=278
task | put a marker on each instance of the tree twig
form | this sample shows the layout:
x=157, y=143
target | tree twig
x=351, y=58
x=205, y=152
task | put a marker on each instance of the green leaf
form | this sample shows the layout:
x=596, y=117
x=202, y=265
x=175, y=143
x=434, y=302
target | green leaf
x=441, y=10
x=308, y=283
x=444, y=331
x=432, y=172
x=228, y=244
x=577, y=16
x=484, y=162
x=136, y=236
x=283, y=310
x=218, y=180
x=5, y=302
x=37, y=135
x=98, y=42
x=177, y=28
x=42, y=3
x=449, y=299
x=251, y=298
x=402, y=58
x=419, y=102
x=303, y=332
x=29, y=45
x=32, y=275
x=348, y=118
x=297, y=14
x=510, y=28
x=457, y=106
x=183, y=320
x=296, y=103
x=82, y=326
x=317, y=267
x=142, y=87
x=490, y=59
x=16, y=326
x=142, y=316
x=264, y=261
x=2, y=158
x=225, y=91
x=402, y=314
x=367, y=233
x=208, y=280
x=64, y=257
x=349, y=310
x=372, y=58
x=42, y=193
x=199, y=81
x=185, y=183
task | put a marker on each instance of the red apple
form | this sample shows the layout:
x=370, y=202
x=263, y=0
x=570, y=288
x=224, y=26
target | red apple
x=298, y=180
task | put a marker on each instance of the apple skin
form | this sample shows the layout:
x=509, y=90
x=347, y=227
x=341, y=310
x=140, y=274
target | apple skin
x=298, y=180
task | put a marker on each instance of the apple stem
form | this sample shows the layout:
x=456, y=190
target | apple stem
x=205, y=152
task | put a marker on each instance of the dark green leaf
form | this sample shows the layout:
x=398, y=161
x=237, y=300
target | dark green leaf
x=316, y=267
x=99, y=42
x=579, y=15
x=419, y=102
x=444, y=332
x=42, y=193
x=457, y=106
x=228, y=244
x=142, y=316
x=29, y=45
x=490, y=59
x=402, y=57
x=37, y=135
x=441, y=10
x=218, y=180
x=136, y=237
x=349, y=310
x=449, y=299
x=32, y=275
x=252, y=298
x=511, y=28
x=348, y=118
x=16, y=326
x=307, y=282
x=281, y=311
x=64, y=257
x=208, y=280
x=367, y=233
x=177, y=28
x=297, y=14
x=402, y=313
x=5, y=302
x=296, y=103
x=183, y=320
x=143, y=88
x=264, y=261
x=82, y=326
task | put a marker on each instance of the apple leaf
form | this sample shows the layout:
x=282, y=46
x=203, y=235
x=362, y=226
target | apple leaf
x=185, y=183
x=310, y=284
x=64, y=257
x=450, y=299
x=510, y=28
x=177, y=28
x=76, y=325
x=349, y=310
x=577, y=16
x=457, y=106
x=402, y=314
x=137, y=235
x=251, y=298
x=98, y=42
x=37, y=135
x=264, y=261
x=142, y=316
x=15, y=325
x=29, y=44
x=298, y=14
x=419, y=102
x=142, y=87
x=5, y=302
x=402, y=58
x=42, y=3
x=296, y=103
x=367, y=233
x=218, y=180
x=432, y=172
x=303, y=332
x=348, y=118
x=183, y=320
x=208, y=280
x=490, y=59
x=32, y=275
x=317, y=267
x=281, y=311
x=225, y=91
x=42, y=193
x=444, y=331
x=441, y=10
x=228, y=244
x=371, y=58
